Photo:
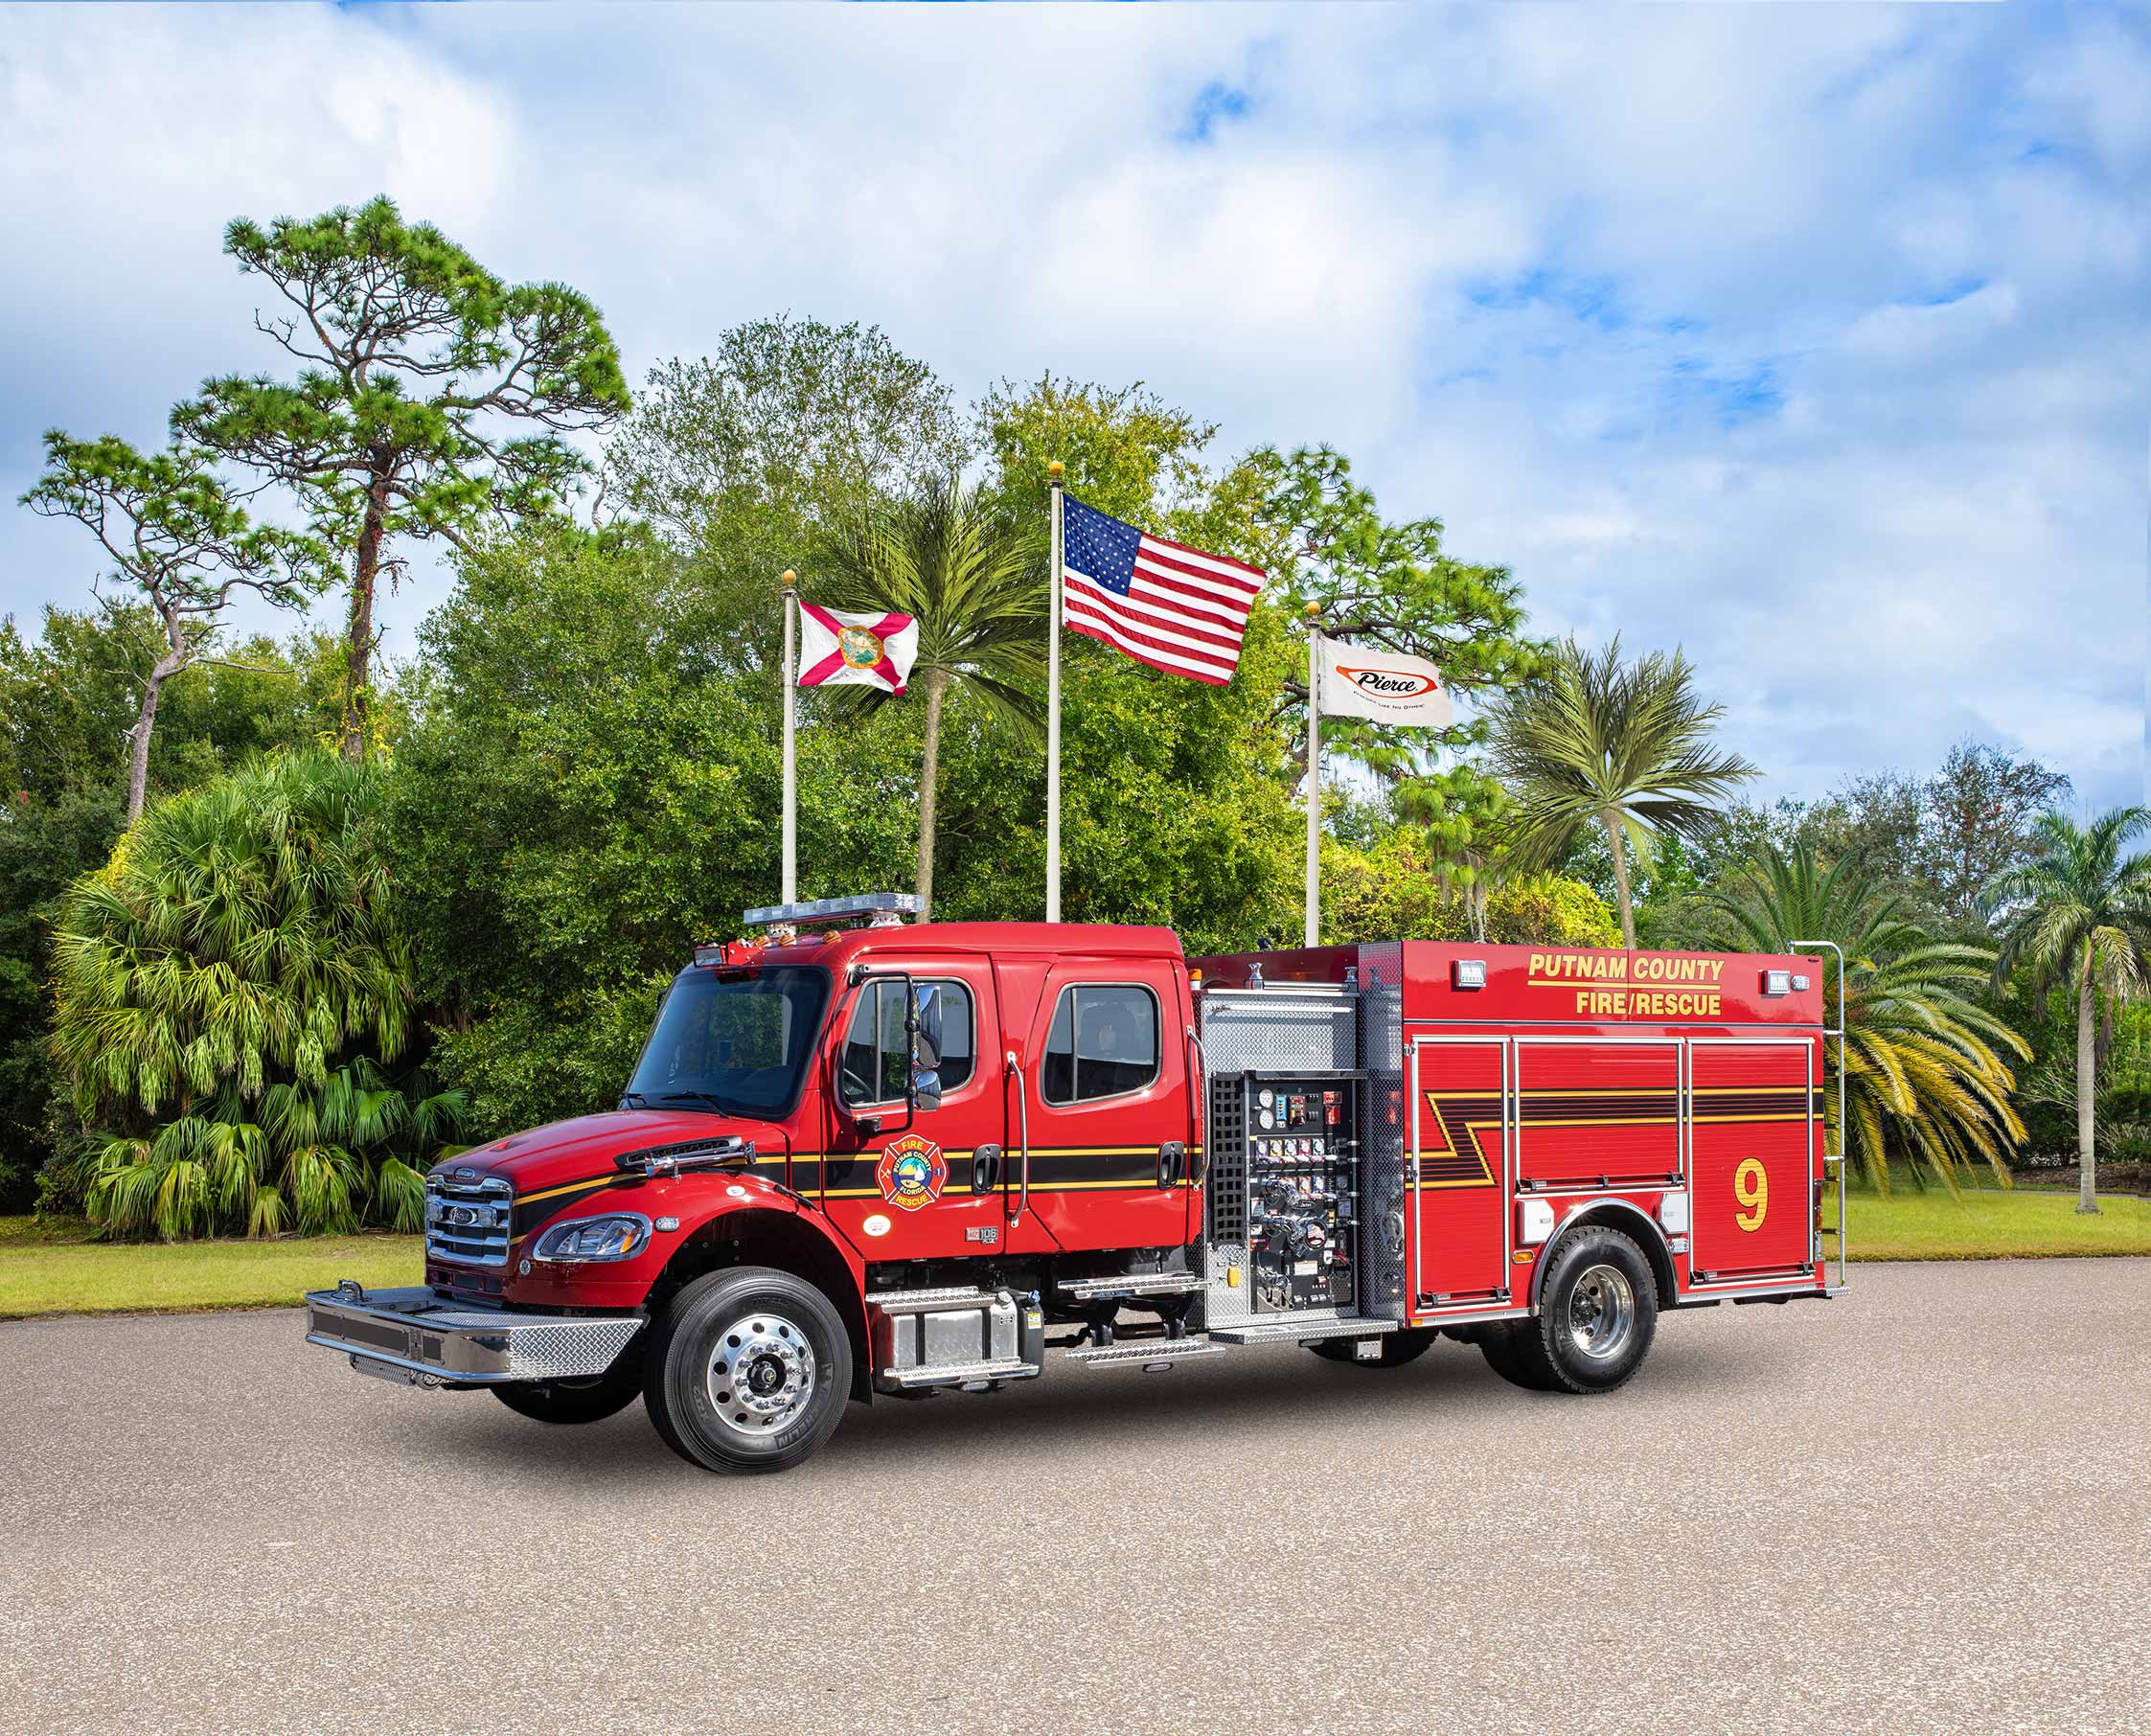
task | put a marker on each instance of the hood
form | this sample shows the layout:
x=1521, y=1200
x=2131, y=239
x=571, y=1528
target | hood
x=588, y=1147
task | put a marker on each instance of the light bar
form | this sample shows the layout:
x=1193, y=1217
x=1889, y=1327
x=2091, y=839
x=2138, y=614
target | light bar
x=879, y=908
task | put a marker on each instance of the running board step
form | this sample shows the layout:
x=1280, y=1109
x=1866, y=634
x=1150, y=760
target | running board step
x=1143, y=1355
x=1133, y=1283
x=1300, y=1332
x=961, y=1373
x=930, y=1301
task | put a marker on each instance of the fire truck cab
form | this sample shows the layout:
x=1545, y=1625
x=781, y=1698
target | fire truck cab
x=861, y=1160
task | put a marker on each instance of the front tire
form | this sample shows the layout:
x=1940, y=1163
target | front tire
x=749, y=1371
x=1597, y=1314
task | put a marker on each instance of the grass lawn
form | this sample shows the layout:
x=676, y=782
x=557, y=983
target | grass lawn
x=44, y=1271
x=1989, y=1224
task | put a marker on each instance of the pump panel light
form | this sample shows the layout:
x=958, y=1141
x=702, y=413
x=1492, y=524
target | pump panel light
x=1778, y=982
x=1468, y=973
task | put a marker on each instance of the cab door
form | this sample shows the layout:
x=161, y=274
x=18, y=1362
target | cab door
x=900, y=1185
x=1107, y=1095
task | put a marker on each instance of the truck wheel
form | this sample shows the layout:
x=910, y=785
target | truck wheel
x=748, y=1370
x=1398, y=1348
x=589, y=1401
x=1597, y=1312
x=1498, y=1345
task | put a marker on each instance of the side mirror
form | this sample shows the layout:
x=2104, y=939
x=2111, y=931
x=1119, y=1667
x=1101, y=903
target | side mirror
x=923, y=1027
x=926, y=1027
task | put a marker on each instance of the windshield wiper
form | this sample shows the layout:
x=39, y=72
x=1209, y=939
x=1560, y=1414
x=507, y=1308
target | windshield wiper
x=633, y=1100
x=711, y=1098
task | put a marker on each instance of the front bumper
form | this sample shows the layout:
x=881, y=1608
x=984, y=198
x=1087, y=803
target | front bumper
x=414, y=1337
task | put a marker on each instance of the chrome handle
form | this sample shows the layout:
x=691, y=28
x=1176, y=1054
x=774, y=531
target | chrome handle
x=1023, y=1135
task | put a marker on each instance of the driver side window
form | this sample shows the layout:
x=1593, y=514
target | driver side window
x=876, y=1056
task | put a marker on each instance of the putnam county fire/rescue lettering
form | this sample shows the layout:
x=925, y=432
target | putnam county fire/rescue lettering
x=862, y=1160
x=1564, y=969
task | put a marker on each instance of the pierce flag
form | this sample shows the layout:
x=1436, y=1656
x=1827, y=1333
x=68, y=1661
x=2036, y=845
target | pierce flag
x=1384, y=686
x=841, y=648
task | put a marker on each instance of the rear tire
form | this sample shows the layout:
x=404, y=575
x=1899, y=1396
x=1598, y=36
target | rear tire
x=1598, y=1310
x=1498, y=1345
x=749, y=1371
x=1398, y=1348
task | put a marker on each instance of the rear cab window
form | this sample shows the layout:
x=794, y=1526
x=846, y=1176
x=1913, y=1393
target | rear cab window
x=1103, y=1042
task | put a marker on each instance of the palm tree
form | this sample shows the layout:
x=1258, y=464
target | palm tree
x=1922, y=1072
x=981, y=601
x=2079, y=914
x=1624, y=746
x=226, y=991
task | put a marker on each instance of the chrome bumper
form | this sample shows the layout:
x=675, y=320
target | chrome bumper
x=414, y=1337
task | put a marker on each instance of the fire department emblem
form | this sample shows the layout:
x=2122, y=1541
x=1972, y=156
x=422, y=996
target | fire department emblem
x=912, y=1173
x=860, y=646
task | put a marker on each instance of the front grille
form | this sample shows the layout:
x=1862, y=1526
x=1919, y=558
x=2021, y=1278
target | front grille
x=467, y=1222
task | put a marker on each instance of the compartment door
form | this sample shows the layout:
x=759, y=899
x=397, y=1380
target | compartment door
x=1458, y=1172
x=1751, y=1153
x=1599, y=1112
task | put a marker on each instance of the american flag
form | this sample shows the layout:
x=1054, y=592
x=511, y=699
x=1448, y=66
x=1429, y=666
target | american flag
x=1163, y=604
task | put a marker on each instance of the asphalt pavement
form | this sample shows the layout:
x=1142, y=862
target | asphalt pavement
x=1924, y=1506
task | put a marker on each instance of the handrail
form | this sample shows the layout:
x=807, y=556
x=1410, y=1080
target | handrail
x=1023, y=1129
x=1843, y=1128
x=1197, y=1110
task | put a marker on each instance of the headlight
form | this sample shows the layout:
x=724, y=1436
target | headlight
x=615, y=1236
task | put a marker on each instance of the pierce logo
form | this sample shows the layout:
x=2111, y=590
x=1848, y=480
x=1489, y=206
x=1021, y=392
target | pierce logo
x=1391, y=683
x=912, y=1173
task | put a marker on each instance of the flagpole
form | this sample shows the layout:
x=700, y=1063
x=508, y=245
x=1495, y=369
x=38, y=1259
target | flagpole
x=1314, y=776
x=1053, y=712
x=790, y=893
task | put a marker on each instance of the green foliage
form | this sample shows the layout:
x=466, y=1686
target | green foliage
x=1924, y=1080
x=586, y=792
x=66, y=704
x=1400, y=889
x=978, y=590
x=1625, y=747
x=416, y=364
x=2078, y=917
x=227, y=989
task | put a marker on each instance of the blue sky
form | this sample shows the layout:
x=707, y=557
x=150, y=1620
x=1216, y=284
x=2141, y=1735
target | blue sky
x=1814, y=340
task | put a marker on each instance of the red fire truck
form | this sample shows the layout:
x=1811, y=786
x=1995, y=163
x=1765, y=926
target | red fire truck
x=866, y=1160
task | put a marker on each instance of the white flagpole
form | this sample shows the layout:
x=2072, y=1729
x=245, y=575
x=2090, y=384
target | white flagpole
x=790, y=893
x=1313, y=777
x=1053, y=714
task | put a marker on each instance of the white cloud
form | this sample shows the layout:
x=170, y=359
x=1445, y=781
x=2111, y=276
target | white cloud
x=1813, y=340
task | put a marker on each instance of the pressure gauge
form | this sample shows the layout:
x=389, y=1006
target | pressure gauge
x=1266, y=1118
x=1265, y=1099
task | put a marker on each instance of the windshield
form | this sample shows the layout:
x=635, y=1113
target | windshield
x=737, y=1043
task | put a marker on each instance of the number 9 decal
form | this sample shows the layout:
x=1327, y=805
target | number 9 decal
x=1751, y=1186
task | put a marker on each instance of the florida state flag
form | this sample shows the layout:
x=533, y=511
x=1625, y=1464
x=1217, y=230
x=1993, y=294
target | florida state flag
x=839, y=647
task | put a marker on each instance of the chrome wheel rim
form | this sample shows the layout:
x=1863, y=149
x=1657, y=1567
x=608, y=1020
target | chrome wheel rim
x=761, y=1374
x=1601, y=1311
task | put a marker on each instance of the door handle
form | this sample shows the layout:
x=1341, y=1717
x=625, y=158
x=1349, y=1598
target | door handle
x=1172, y=1162
x=1023, y=1135
x=985, y=1169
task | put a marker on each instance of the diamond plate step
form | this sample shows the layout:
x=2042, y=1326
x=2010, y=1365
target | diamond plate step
x=959, y=1374
x=1141, y=1356
x=1300, y=1332
x=927, y=1301
x=1134, y=1284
